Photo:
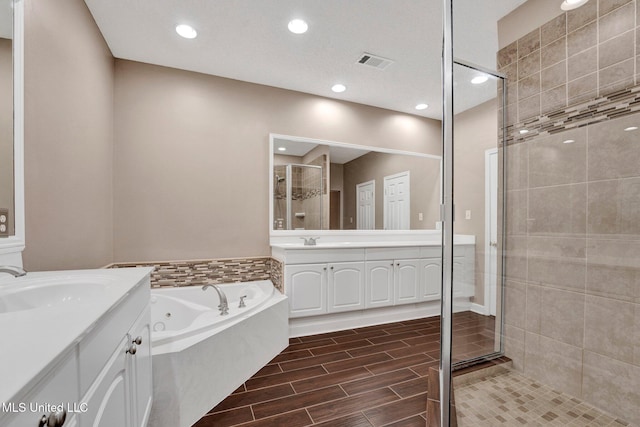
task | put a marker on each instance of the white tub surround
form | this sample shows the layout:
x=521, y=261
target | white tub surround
x=79, y=339
x=200, y=356
x=359, y=279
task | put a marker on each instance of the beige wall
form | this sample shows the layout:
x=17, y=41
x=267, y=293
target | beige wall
x=424, y=176
x=527, y=17
x=475, y=131
x=187, y=144
x=69, y=86
x=6, y=130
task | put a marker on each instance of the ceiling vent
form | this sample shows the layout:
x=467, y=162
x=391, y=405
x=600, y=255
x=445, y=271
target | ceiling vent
x=374, y=61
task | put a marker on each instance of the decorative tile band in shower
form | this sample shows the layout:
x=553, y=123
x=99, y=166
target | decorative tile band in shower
x=215, y=271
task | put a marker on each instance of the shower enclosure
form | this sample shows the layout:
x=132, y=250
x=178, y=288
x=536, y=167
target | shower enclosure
x=297, y=197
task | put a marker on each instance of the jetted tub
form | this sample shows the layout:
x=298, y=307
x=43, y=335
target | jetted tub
x=200, y=356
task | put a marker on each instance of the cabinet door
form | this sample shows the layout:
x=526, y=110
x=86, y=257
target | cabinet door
x=346, y=286
x=407, y=281
x=108, y=399
x=431, y=269
x=141, y=382
x=306, y=287
x=379, y=283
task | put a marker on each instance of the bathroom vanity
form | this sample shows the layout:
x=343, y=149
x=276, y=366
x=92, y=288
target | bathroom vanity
x=76, y=342
x=341, y=283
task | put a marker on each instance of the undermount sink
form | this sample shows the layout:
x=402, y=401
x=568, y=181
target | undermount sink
x=50, y=295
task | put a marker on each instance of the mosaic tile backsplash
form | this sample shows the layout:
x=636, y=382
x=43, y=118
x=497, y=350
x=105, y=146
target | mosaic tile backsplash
x=215, y=271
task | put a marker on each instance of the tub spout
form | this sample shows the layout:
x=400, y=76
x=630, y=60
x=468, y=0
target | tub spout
x=14, y=271
x=224, y=306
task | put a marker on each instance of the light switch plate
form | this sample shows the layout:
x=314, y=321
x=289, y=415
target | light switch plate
x=4, y=222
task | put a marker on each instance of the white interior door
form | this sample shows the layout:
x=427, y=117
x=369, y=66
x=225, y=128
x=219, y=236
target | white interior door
x=397, y=201
x=491, y=230
x=366, y=203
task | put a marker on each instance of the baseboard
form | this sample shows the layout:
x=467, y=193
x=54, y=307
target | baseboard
x=480, y=309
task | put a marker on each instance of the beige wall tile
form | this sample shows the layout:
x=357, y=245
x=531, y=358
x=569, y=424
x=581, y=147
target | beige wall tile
x=614, y=153
x=553, y=99
x=613, y=269
x=606, y=6
x=516, y=207
x=514, y=346
x=616, y=50
x=554, y=52
x=508, y=54
x=528, y=65
x=553, y=163
x=582, y=39
x=553, y=30
x=533, y=309
x=576, y=18
x=529, y=43
x=614, y=208
x=517, y=166
x=515, y=258
x=583, y=88
x=515, y=296
x=529, y=107
x=557, y=262
x=636, y=336
x=529, y=86
x=608, y=328
x=612, y=385
x=616, y=77
x=554, y=363
x=583, y=63
x=553, y=76
x=511, y=72
x=557, y=210
x=616, y=22
x=562, y=316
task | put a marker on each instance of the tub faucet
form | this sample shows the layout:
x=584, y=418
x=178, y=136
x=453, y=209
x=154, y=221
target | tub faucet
x=310, y=241
x=14, y=271
x=224, y=306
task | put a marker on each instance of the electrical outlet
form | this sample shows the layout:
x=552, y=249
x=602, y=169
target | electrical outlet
x=4, y=222
x=467, y=214
x=420, y=216
x=350, y=220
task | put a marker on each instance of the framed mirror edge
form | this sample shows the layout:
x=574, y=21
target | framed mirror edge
x=294, y=233
x=17, y=242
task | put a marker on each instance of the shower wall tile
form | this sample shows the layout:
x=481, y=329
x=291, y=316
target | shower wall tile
x=533, y=308
x=614, y=208
x=508, y=54
x=553, y=76
x=554, y=363
x=582, y=89
x=529, y=86
x=616, y=22
x=553, y=53
x=516, y=207
x=620, y=396
x=613, y=269
x=606, y=6
x=528, y=65
x=553, y=30
x=529, y=108
x=557, y=163
x=562, y=316
x=581, y=16
x=616, y=77
x=583, y=63
x=515, y=297
x=614, y=153
x=529, y=43
x=515, y=259
x=554, y=99
x=616, y=50
x=557, y=262
x=517, y=167
x=582, y=39
x=636, y=336
x=609, y=327
x=558, y=210
x=514, y=342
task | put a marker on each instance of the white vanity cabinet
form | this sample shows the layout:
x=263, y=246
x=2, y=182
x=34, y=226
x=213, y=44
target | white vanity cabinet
x=407, y=281
x=391, y=282
x=345, y=286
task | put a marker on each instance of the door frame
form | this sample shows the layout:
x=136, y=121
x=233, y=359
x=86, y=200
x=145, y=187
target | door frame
x=406, y=173
x=487, y=231
x=373, y=202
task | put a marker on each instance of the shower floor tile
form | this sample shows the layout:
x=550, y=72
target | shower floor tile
x=510, y=399
x=366, y=377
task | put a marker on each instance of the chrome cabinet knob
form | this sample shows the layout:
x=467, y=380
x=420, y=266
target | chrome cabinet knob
x=54, y=419
x=138, y=340
x=132, y=349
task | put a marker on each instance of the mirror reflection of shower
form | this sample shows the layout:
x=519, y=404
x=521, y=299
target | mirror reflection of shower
x=297, y=197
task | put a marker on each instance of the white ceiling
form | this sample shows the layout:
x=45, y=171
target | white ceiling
x=248, y=40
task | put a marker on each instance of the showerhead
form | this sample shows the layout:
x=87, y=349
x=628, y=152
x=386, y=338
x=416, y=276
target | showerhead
x=280, y=178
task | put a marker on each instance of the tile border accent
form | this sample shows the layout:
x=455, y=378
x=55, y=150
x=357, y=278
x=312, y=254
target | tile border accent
x=210, y=271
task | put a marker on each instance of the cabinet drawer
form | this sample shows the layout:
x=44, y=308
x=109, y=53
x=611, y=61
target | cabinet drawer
x=381, y=254
x=308, y=256
x=101, y=342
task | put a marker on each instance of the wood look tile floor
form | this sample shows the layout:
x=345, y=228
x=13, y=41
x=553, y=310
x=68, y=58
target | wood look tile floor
x=373, y=376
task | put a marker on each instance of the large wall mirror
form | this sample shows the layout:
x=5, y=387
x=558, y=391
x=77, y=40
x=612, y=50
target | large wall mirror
x=11, y=127
x=323, y=185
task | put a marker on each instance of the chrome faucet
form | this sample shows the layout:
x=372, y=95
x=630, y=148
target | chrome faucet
x=310, y=241
x=14, y=271
x=223, y=306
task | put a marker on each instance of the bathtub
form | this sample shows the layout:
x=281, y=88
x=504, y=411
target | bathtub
x=199, y=356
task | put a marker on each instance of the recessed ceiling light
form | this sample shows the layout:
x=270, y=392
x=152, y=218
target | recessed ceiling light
x=282, y=149
x=338, y=88
x=478, y=80
x=422, y=106
x=186, y=31
x=568, y=141
x=298, y=26
x=523, y=131
x=630, y=128
x=572, y=4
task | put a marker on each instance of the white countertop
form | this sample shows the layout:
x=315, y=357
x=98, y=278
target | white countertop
x=459, y=239
x=33, y=339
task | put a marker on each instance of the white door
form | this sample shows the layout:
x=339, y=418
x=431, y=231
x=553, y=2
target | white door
x=366, y=204
x=306, y=287
x=379, y=283
x=397, y=201
x=407, y=281
x=491, y=230
x=346, y=286
x=431, y=269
